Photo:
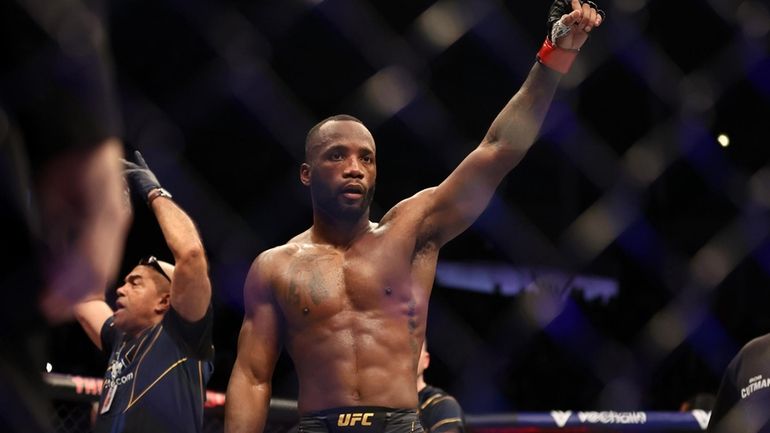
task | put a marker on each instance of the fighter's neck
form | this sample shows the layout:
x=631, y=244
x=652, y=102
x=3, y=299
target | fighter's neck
x=338, y=232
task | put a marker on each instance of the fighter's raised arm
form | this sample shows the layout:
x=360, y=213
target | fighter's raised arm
x=248, y=393
x=453, y=205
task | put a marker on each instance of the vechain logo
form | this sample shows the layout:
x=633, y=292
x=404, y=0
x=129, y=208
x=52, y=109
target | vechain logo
x=702, y=417
x=560, y=418
x=613, y=417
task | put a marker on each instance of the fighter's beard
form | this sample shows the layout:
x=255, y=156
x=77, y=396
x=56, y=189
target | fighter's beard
x=354, y=213
x=350, y=213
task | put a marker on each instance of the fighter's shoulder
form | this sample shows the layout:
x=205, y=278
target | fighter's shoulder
x=274, y=256
x=281, y=254
x=264, y=269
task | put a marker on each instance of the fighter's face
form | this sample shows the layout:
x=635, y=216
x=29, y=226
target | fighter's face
x=139, y=300
x=341, y=169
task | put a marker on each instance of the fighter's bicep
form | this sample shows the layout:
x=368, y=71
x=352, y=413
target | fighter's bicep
x=454, y=204
x=259, y=342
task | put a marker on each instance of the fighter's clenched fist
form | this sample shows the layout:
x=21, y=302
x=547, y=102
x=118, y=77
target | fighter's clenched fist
x=569, y=23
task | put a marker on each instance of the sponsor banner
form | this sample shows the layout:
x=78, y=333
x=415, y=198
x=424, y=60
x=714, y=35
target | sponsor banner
x=695, y=421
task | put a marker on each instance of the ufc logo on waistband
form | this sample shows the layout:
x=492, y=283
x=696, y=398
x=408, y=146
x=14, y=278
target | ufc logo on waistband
x=350, y=419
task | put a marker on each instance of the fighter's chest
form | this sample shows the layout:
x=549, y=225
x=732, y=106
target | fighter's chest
x=321, y=283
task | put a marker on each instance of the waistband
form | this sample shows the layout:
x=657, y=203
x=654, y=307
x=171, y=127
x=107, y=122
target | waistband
x=359, y=419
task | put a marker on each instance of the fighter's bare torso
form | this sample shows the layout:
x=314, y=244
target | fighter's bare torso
x=354, y=317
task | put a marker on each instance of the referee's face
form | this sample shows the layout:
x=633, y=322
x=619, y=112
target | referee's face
x=139, y=302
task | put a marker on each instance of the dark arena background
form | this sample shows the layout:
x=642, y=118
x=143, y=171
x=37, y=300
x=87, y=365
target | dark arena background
x=620, y=266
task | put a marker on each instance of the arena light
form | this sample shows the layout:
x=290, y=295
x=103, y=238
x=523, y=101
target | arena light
x=390, y=90
x=723, y=140
x=444, y=23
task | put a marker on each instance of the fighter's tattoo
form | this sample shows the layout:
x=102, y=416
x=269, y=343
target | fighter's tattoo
x=318, y=290
x=305, y=276
x=412, y=313
x=292, y=294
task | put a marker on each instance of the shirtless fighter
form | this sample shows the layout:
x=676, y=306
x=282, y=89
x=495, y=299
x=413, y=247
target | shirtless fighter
x=348, y=297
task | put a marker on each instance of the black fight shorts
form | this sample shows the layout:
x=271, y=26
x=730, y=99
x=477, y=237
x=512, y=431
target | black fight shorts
x=361, y=419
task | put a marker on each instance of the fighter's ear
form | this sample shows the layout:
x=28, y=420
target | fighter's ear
x=304, y=174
